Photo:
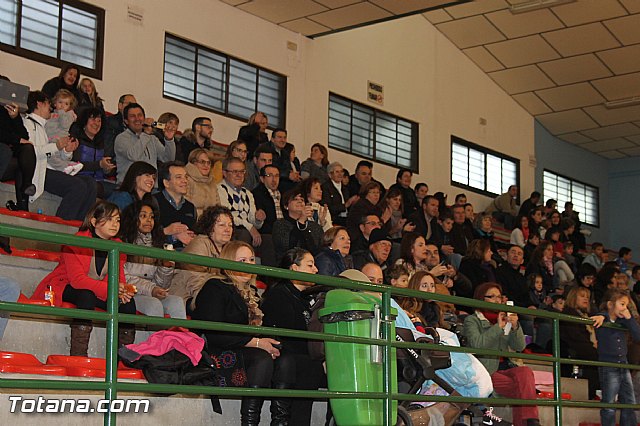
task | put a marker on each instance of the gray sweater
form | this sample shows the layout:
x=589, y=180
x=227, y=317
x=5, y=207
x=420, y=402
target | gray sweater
x=130, y=148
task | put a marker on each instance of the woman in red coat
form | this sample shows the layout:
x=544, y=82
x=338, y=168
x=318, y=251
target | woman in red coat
x=81, y=278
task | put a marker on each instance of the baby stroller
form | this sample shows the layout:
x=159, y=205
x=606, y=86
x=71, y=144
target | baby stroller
x=415, y=367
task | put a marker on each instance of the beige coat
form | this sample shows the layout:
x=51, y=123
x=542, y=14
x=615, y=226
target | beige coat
x=202, y=190
x=189, y=279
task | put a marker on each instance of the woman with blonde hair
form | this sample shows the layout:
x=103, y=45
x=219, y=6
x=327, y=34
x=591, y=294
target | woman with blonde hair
x=202, y=191
x=89, y=97
x=232, y=297
x=255, y=132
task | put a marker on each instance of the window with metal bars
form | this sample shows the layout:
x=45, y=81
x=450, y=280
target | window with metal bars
x=585, y=197
x=54, y=32
x=482, y=170
x=373, y=134
x=203, y=77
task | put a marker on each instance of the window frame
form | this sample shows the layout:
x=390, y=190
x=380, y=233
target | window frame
x=415, y=136
x=486, y=151
x=571, y=182
x=226, y=93
x=56, y=61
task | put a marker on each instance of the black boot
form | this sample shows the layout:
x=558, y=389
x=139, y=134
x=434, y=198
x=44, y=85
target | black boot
x=280, y=407
x=250, y=409
x=533, y=422
x=80, y=335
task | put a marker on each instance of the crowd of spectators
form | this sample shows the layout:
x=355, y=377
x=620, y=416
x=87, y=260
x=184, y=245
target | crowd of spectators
x=257, y=200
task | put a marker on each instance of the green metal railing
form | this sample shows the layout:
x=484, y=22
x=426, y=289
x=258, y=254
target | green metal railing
x=111, y=386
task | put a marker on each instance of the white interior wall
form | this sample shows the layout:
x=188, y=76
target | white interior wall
x=425, y=78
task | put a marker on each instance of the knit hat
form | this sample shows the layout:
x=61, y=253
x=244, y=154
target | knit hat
x=378, y=235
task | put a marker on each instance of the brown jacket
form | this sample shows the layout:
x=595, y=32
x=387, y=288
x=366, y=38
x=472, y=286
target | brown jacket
x=202, y=191
x=188, y=278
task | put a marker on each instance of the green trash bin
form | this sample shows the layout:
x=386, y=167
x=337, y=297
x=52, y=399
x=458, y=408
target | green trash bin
x=356, y=367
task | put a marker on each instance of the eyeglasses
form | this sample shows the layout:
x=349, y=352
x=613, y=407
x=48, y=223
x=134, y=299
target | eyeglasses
x=494, y=296
x=371, y=223
x=242, y=151
x=236, y=172
x=204, y=162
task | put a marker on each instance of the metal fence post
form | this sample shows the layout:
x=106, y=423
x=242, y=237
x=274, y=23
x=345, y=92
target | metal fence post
x=556, y=372
x=112, y=333
x=389, y=414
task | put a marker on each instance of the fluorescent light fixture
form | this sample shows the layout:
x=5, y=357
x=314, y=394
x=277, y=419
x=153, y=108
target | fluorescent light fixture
x=621, y=103
x=528, y=6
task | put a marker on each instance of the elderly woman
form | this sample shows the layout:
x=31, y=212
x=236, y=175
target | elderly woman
x=202, y=191
x=579, y=340
x=334, y=257
x=286, y=305
x=499, y=330
x=231, y=297
x=316, y=165
x=90, y=151
x=136, y=185
x=215, y=229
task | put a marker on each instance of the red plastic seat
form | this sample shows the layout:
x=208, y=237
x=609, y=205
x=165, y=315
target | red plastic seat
x=82, y=366
x=24, y=299
x=23, y=363
x=48, y=256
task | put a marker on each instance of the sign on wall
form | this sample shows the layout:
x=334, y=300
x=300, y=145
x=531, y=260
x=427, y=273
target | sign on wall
x=375, y=93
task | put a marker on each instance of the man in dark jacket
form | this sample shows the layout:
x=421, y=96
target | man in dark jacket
x=115, y=124
x=267, y=196
x=462, y=231
x=336, y=195
x=378, y=251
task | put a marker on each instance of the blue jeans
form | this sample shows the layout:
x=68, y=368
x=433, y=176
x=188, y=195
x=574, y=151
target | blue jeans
x=617, y=382
x=9, y=292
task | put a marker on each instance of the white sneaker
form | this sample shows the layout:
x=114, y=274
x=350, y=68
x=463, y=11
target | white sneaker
x=73, y=168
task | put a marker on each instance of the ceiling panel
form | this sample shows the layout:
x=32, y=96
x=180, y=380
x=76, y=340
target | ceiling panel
x=475, y=8
x=483, y=58
x=612, y=155
x=305, y=26
x=334, y=4
x=523, y=51
x=611, y=132
x=437, y=16
x=625, y=29
x=586, y=11
x=582, y=39
x=282, y=10
x=575, y=69
x=524, y=24
x=469, y=32
x=566, y=121
x=632, y=152
x=355, y=14
x=623, y=60
x=606, y=117
x=532, y=103
x=520, y=80
x=575, y=138
x=571, y=96
x=406, y=6
x=559, y=63
x=633, y=6
x=607, y=145
x=619, y=87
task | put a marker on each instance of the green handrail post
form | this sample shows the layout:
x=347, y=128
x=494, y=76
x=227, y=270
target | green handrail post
x=557, y=372
x=111, y=376
x=389, y=415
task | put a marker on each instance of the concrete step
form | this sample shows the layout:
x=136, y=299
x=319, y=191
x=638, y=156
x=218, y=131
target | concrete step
x=36, y=224
x=27, y=272
x=48, y=203
x=164, y=410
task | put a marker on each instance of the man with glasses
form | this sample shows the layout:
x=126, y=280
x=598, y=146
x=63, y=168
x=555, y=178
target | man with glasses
x=240, y=201
x=200, y=137
x=267, y=198
x=367, y=224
